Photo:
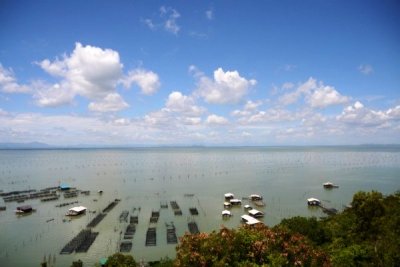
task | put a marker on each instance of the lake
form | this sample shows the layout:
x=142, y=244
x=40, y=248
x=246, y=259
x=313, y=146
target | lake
x=193, y=177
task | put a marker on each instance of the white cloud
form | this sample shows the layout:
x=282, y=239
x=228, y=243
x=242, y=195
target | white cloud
x=149, y=24
x=8, y=82
x=52, y=95
x=287, y=85
x=358, y=115
x=210, y=14
x=89, y=71
x=216, y=120
x=270, y=115
x=148, y=81
x=170, y=23
x=226, y=87
x=110, y=103
x=250, y=105
x=177, y=102
x=121, y=122
x=317, y=95
x=365, y=69
x=3, y=112
x=326, y=96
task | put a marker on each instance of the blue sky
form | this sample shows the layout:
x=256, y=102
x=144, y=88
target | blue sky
x=200, y=72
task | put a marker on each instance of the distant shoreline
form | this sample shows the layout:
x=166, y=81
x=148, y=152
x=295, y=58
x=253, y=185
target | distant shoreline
x=28, y=146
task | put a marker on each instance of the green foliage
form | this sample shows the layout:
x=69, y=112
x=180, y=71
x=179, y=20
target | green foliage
x=77, y=263
x=367, y=234
x=120, y=260
x=309, y=227
x=248, y=246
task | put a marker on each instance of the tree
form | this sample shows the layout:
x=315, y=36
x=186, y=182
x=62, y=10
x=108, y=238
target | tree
x=120, y=260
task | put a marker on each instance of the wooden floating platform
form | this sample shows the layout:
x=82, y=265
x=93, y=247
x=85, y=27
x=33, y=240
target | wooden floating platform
x=130, y=231
x=70, y=194
x=123, y=217
x=154, y=216
x=54, y=197
x=194, y=211
x=193, y=229
x=177, y=212
x=96, y=220
x=125, y=246
x=111, y=205
x=174, y=205
x=171, y=234
x=66, y=204
x=151, y=237
x=81, y=242
x=134, y=219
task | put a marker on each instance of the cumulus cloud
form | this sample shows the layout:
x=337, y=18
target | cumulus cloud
x=8, y=82
x=89, y=71
x=93, y=73
x=216, y=120
x=110, y=103
x=52, y=95
x=177, y=102
x=226, y=87
x=147, y=81
x=171, y=16
x=359, y=115
x=365, y=69
x=326, y=96
x=315, y=94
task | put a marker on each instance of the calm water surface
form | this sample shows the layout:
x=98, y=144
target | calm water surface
x=144, y=178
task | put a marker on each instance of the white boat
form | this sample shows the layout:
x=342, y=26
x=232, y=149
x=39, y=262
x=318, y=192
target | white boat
x=247, y=207
x=313, y=202
x=235, y=201
x=76, y=211
x=255, y=197
x=227, y=205
x=226, y=213
x=256, y=213
x=229, y=196
x=249, y=220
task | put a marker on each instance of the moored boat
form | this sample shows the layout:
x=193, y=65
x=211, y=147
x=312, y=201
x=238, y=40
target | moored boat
x=76, y=211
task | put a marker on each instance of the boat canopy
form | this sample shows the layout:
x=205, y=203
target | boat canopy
x=249, y=220
x=226, y=212
x=255, y=212
x=313, y=201
x=255, y=197
x=229, y=195
x=78, y=209
x=64, y=187
x=25, y=208
x=235, y=201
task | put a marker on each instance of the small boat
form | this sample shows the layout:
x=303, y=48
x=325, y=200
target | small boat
x=76, y=211
x=255, y=197
x=229, y=196
x=227, y=205
x=247, y=207
x=226, y=213
x=329, y=185
x=24, y=209
x=247, y=219
x=235, y=202
x=256, y=213
x=313, y=202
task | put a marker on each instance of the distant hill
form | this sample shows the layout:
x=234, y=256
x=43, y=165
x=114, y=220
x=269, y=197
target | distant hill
x=30, y=145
